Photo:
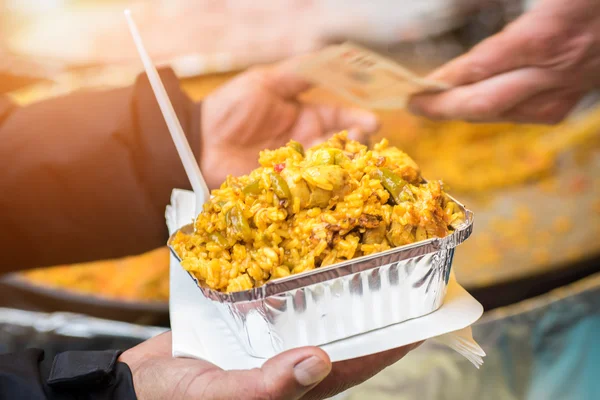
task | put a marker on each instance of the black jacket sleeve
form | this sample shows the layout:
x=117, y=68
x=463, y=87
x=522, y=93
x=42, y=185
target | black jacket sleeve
x=92, y=375
x=87, y=176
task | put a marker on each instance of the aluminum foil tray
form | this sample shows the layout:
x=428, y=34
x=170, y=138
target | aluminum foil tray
x=340, y=300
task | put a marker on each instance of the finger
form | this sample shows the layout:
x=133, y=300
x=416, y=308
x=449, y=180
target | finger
x=485, y=100
x=336, y=118
x=499, y=53
x=549, y=107
x=346, y=374
x=289, y=375
x=283, y=80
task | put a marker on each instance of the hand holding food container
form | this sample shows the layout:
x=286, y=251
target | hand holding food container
x=317, y=247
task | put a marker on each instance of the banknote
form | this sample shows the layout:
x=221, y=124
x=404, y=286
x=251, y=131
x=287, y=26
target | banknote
x=364, y=77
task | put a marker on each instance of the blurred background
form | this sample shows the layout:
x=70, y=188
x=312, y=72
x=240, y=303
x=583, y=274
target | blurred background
x=532, y=260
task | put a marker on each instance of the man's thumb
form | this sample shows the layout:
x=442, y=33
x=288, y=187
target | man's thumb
x=289, y=375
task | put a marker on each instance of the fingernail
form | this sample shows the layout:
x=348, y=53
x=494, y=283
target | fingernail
x=311, y=371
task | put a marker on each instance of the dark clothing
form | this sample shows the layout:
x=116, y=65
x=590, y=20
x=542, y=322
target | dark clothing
x=90, y=375
x=85, y=177
x=88, y=176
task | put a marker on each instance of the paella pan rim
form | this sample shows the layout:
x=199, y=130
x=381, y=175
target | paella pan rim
x=74, y=298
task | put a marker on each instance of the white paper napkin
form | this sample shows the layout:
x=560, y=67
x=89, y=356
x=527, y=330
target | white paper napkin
x=199, y=331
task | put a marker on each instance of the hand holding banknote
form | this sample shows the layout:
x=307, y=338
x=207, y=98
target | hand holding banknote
x=535, y=70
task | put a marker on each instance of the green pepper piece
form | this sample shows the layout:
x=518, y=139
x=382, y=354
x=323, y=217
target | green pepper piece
x=218, y=239
x=238, y=223
x=407, y=195
x=321, y=157
x=340, y=158
x=280, y=187
x=297, y=146
x=391, y=182
x=252, y=189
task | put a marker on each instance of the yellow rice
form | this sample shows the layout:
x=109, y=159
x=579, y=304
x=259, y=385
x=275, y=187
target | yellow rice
x=297, y=212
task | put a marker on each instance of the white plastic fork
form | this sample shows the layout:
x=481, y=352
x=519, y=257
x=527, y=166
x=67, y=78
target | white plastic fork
x=463, y=343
